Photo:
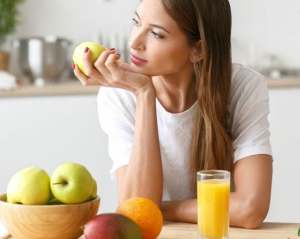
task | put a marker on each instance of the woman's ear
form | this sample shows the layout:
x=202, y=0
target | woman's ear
x=197, y=52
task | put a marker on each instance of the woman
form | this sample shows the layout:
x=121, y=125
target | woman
x=181, y=107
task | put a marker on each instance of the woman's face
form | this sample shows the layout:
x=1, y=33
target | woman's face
x=157, y=45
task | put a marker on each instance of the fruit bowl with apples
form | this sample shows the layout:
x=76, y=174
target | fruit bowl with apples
x=39, y=206
x=62, y=221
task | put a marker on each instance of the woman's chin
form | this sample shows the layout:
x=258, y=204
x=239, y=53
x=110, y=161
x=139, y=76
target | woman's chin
x=139, y=69
x=144, y=70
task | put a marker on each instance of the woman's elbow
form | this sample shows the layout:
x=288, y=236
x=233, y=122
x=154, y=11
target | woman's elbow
x=252, y=221
x=254, y=214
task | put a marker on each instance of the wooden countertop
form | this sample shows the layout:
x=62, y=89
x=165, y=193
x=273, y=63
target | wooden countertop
x=283, y=83
x=174, y=230
x=74, y=87
x=66, y=87
x=266, y=231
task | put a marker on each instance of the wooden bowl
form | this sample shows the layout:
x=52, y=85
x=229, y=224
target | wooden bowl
x=46, y=221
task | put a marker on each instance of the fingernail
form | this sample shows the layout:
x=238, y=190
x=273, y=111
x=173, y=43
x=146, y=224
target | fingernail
x=112, y=49
x=86, y=50
x=119, y=55
x=73, y=66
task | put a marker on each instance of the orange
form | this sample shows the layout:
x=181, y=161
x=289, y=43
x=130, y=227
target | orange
x=145, y=213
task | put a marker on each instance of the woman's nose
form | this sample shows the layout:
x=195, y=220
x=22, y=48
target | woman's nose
x=137, y=40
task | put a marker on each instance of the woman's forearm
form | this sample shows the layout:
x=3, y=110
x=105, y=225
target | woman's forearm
x=181, y=211
x=143, y=176
x=242, y=213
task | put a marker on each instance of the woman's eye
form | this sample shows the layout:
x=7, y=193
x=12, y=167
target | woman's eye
x=156, y=35
x=136, y=22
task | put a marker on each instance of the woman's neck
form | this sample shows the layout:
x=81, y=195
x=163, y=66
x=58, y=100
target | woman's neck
x=176, y=95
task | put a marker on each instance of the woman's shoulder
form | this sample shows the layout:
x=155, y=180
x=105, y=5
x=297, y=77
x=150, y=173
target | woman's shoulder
x=247, y=82
x=243, y=76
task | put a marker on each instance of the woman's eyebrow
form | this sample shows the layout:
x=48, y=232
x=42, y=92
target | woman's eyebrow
x=153, y=25
x=137, y=14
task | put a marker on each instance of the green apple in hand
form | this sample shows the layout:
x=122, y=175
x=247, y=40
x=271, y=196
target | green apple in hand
x=95, y=48
x=71, y=183
x=30, y=186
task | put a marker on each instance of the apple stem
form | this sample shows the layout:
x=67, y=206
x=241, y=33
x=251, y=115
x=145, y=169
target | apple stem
x=59, y=183
x=82, y=227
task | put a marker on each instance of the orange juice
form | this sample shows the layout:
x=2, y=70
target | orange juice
x=213, y=208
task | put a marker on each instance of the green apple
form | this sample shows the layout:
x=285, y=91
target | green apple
x=54, y=201
x=94, y=192
x=51, y=194
x=30, y=186
x=71, y=183
x=95, y=48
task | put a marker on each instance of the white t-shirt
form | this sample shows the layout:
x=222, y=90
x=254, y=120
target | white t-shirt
x=249, y=109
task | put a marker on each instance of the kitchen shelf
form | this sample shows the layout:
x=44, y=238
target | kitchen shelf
x=66, y=87
x=74, y=87
x=287, y=82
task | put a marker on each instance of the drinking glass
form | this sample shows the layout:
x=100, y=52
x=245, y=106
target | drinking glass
x=213, y=190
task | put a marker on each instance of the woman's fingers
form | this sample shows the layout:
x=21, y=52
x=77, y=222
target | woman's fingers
x=80, y=76
x=87, y=64
x=117, y=74
x=108, y=70
x=91, y=76
x=85, y=80
x=90, y=69
x=100, y=63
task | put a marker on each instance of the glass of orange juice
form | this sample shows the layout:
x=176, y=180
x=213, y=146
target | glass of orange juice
x=213, y=190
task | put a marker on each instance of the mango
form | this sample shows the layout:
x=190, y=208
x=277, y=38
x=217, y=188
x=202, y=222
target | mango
x=111, y=226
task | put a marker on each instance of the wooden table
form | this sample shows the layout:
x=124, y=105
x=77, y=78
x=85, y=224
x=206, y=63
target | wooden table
x=266, y=231
x=173, y=230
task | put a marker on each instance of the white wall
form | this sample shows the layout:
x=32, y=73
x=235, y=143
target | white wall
x=266, y=27
x=77, y=20
x=285, y=139
x=48, y=131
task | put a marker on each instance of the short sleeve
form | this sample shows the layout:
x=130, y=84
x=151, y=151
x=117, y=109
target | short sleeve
x=116, y=109
x=249, y=111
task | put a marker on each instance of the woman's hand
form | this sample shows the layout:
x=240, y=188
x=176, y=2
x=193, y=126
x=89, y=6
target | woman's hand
x=110, y=71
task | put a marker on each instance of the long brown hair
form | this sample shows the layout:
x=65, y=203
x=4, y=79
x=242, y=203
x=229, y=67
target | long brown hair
x=210, y=22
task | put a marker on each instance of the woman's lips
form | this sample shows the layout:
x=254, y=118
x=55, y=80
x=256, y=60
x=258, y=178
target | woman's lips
x=137, y=60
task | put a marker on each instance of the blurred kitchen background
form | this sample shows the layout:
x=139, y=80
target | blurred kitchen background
x=47, y=130
x=265, y=33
